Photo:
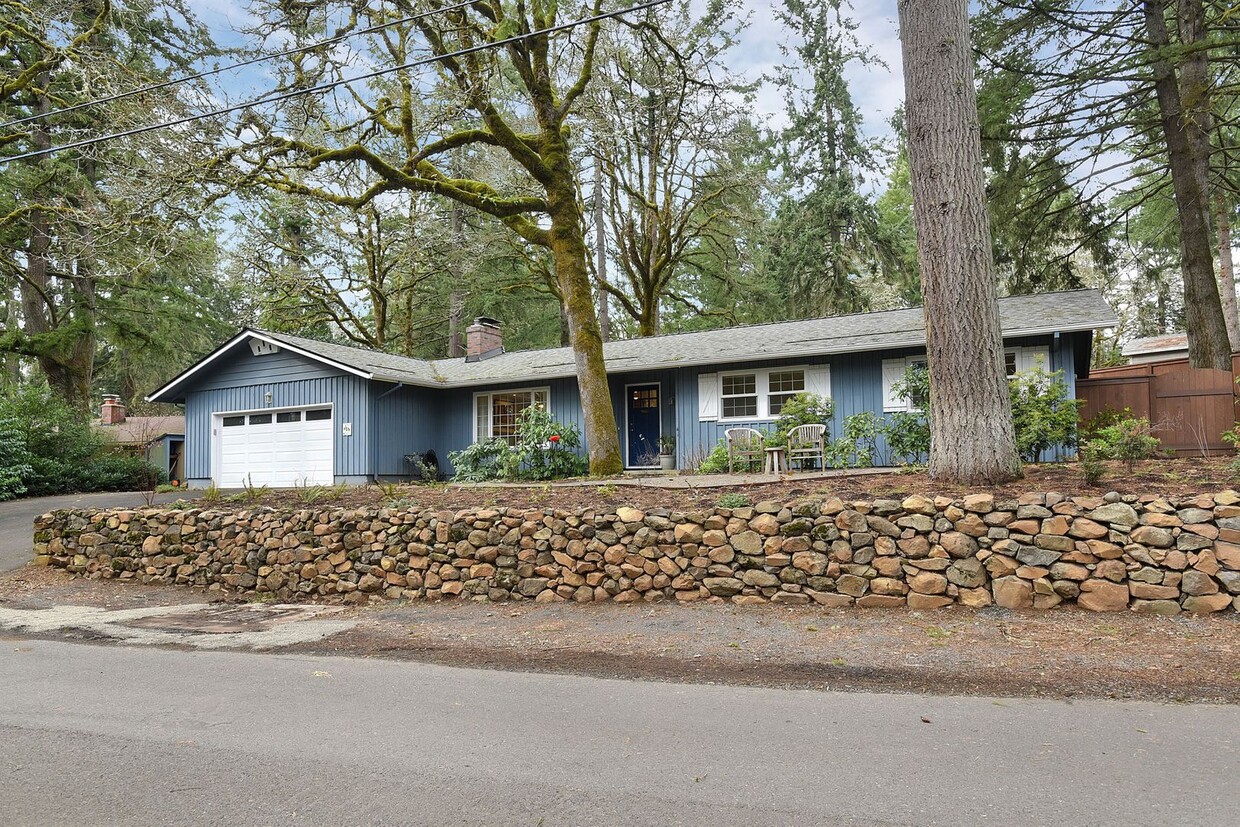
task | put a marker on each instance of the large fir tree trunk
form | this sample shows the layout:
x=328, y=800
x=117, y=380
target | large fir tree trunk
x=1183, y=109
x=1227, y=270
x=972, y=439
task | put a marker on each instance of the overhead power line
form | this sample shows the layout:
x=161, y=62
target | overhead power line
x=323, y=87
x=155, y=87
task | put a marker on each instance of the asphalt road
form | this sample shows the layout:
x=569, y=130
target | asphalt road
x=110, y=735
x=17, y=519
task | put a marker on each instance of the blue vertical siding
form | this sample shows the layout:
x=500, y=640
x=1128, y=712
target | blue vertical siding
x=455, y=409
x=695, y=438
x=856, y=387
x=292, y=380
x=407, y=420
x=390, y=421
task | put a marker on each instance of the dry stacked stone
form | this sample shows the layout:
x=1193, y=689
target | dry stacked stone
x=1149, y=554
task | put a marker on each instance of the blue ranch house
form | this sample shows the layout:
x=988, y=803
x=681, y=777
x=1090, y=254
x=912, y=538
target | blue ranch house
x=273, y=409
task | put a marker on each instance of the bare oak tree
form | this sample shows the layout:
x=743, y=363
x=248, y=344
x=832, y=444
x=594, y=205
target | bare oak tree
x=517, y=98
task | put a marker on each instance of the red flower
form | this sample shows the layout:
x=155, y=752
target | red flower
x=555, y=437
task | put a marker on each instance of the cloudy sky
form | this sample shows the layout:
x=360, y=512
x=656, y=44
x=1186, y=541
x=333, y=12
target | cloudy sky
x=877, y=90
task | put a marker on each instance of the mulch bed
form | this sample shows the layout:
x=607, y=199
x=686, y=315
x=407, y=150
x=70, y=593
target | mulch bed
x=1169, y=477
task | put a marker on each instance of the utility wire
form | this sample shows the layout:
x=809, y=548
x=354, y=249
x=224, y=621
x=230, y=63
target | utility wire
x=155, y=87
x=332, y=84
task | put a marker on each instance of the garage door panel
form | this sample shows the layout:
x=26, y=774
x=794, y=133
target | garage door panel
x=280, y=450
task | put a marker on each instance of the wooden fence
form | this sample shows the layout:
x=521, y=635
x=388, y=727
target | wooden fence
x=1190, y=407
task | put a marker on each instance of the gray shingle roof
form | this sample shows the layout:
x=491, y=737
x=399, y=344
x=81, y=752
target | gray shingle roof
x=1065, y=312
x=141, y=429
x=1156, y=344
x=376, y=363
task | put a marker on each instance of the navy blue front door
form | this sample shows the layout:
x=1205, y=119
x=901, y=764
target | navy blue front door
x=642, y=402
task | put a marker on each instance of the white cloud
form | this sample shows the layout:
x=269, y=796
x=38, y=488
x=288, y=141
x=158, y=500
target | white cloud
x=877, y=89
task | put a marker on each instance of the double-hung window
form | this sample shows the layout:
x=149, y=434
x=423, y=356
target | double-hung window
x=739, y=395
x=782, y=385
x=757, y=394
x=497, y=413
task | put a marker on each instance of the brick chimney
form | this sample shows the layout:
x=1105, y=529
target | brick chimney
x=483, y=339
x=113, y=412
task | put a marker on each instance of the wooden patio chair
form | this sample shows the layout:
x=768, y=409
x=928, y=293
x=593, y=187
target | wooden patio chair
x=744, y=443
x=806, y=442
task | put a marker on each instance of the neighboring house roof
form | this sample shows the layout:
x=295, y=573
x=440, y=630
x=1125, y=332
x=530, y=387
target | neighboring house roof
x=1063, y=312
x=1169, y=343
x=137, y=430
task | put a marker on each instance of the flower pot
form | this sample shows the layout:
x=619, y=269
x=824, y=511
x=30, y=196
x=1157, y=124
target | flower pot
x=667, y=462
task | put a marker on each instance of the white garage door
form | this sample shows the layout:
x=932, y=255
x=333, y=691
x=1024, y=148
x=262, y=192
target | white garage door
x=276, y=448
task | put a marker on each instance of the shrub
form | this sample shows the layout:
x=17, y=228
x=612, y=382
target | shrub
x=716, y=461
x=50, y=447
x=840, y=453
x=1042, y=413
x=121, y=473
x=14, y=461
x=1129, y=440
x=733, y=499
x=1092, y=468
x=1232, y=437
x=804, y=409
x=481, y=461
x=908, y=437
x=914, y=387
x=862, y=431
x=545, y=450
x=1102, y=419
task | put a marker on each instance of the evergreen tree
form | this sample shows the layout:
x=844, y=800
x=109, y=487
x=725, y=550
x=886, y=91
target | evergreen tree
x=825, y=235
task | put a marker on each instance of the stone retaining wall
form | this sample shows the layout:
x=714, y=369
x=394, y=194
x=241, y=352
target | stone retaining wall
x=1152, y=554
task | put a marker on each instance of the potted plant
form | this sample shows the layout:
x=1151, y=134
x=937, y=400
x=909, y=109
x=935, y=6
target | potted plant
x=667, y=452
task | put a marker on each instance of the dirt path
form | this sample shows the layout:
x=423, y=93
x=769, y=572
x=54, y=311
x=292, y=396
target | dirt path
x=1063, y=653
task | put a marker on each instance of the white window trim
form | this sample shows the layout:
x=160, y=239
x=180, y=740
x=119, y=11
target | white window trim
x=1026, y=358
x=762, y=386
x=888, y=389
x=545, y=389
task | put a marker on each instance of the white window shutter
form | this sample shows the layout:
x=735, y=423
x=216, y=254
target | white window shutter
x=1027, y=358
x=708, y=396
x=818, y=380
x=893, y=371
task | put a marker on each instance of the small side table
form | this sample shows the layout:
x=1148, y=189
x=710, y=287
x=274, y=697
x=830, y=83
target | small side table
x=776, y=461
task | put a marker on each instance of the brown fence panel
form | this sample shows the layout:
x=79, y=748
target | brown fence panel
x=1190, y=407
x=1193, y=407
x=1114, y=395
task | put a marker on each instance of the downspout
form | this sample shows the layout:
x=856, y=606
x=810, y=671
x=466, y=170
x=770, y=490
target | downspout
x=400, y=385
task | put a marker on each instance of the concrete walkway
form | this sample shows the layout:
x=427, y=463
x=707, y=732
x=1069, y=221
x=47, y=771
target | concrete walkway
x=689, y=481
